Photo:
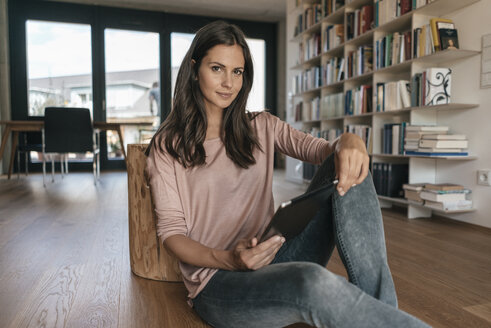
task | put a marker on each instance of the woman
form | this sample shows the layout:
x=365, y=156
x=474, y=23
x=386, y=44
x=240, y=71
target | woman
x=210, y=167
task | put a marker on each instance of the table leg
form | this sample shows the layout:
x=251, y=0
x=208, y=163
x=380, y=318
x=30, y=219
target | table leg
x=121, y=140
x=5, y=136
x=15, y=139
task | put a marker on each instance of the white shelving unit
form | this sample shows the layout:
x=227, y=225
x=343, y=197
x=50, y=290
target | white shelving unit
x=421, y=168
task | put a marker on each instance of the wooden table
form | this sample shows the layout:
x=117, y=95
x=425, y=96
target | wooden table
x=26, y=126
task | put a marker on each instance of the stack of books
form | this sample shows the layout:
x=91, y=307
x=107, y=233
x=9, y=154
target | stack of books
x=443, y=145
x=446, y=197
x=426, y=140
x=412, y=192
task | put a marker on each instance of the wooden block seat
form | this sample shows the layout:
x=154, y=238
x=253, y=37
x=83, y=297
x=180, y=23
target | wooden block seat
x=148, y=256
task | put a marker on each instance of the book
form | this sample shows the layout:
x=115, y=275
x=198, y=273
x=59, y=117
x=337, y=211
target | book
x=443, y=186
x=444, y=136
x=448, y=38
x=413, y=186
x=407, y=45
x=403, y=88
x=378, y=177
x=444, y=192
x=422, y=153
x=413, y=195
x=426, y=128
x=366, y=18
x=405, y=6
x=450, y=206
x=395, y=139
x=424, y=143
x=380, y=97
x=440, y=150
x=436, y=197
x=419, y=134
x=415, y=95
x=437, y=86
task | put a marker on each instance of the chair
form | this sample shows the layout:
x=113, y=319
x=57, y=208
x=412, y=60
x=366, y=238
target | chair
x=28, y=141
x=69, y=130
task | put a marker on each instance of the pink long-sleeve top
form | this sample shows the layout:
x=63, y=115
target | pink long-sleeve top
x=219, y=203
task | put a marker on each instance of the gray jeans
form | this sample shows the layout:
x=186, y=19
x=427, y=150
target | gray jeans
x=296, y=286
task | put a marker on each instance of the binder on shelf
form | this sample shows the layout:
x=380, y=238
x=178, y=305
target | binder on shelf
x=389, y=178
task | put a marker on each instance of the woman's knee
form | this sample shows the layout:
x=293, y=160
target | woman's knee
x=312, y=282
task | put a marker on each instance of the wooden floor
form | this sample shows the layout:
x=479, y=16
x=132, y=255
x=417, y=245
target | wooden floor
x=64, y=261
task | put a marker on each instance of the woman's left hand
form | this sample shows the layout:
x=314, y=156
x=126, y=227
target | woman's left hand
x=351, y=160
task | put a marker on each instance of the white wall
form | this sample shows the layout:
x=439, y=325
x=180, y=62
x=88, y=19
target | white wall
x=4, y=77
x=472, y=22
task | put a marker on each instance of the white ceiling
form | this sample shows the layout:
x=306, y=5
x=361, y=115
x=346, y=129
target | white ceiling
x=260, y=10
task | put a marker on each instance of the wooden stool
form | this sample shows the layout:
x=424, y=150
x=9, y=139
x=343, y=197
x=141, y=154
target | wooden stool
x=148, y=256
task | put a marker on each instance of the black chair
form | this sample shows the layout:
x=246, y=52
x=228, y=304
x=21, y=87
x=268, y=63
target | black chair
x=28, y=141
x=69, y=130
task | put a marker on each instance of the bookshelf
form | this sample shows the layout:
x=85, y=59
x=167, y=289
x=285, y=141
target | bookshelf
x=421, y=168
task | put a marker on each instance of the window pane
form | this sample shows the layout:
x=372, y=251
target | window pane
x=132, y=85
x=180, y=43
x=256, y=101
x=59, y=65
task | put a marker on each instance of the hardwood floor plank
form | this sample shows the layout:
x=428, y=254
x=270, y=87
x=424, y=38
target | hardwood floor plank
x=49, y=304
x=437, y=310
x=481, y=310
x=97, y=302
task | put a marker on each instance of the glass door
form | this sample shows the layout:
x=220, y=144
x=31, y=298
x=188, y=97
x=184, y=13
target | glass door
x=59, y=70
x=132, y=86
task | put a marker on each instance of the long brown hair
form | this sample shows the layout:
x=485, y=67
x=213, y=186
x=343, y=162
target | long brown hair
x=184, y=130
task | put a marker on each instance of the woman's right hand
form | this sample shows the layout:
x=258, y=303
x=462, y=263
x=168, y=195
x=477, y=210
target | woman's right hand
x=249, y=255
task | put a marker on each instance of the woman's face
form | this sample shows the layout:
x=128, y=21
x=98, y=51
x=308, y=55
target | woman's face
x=220, y=76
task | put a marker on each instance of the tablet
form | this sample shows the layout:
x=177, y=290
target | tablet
x=292, y=216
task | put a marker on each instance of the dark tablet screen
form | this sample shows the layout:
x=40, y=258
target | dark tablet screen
x=292, y=217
